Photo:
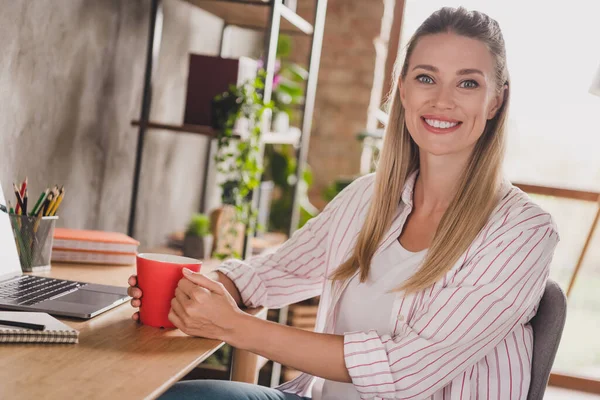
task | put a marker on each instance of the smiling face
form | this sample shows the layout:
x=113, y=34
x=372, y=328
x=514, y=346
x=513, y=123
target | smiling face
x=449, y=93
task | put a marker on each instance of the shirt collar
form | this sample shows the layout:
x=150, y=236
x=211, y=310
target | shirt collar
x=409, y=186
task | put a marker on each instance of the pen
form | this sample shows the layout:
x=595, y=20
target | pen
x=18, y=324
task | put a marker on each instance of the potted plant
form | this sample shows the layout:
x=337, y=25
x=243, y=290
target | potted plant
x=198, y=238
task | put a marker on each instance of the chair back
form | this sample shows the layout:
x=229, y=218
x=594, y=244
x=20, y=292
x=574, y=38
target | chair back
x=547, y=324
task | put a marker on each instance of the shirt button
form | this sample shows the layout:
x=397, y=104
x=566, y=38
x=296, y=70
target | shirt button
x=400, y=317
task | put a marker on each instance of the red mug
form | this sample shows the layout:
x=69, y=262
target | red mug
x=157, y=276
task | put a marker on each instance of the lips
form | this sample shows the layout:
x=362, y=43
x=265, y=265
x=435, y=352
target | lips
x=440, y=124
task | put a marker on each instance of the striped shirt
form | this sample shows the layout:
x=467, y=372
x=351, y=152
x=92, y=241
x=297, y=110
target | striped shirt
x=467, y=336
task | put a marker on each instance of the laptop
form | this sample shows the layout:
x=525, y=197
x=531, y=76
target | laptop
x=54, y=296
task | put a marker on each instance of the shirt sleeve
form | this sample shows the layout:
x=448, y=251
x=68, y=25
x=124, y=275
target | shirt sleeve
x=296, y=271
x=499, y=287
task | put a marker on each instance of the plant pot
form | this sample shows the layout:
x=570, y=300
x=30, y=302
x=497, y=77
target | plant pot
x=197, y=247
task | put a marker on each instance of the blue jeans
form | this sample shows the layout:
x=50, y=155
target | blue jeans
x=224, y=390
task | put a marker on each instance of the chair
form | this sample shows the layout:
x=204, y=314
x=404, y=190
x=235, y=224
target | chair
x=547, y=324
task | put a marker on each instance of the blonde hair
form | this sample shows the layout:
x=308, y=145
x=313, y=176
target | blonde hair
x=472, y=205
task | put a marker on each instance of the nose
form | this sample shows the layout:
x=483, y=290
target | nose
x=443, y=98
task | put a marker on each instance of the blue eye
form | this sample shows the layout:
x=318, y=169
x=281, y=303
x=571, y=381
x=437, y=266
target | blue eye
x=424, y=79
x=469, y=84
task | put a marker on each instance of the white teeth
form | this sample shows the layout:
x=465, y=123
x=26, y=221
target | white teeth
x=440, y=124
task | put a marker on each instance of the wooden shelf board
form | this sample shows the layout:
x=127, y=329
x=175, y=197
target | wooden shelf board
x=282, y=138
x=253, y=15
x=268, y=137
x=198, y=129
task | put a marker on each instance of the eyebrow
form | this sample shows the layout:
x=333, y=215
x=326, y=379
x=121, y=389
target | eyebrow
x=464, y=71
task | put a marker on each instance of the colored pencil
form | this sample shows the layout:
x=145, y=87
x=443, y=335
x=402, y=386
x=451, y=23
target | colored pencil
x=58, y=201
x=36, y=224
x=25, y=199
x=49, y=200
x=22, y=193
x=39, y=202
x=51, y=205
x=19, y=200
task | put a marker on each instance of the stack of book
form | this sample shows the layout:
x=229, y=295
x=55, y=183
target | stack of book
x=93, y=247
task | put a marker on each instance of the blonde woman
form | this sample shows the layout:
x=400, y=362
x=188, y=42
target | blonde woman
x=428, y=270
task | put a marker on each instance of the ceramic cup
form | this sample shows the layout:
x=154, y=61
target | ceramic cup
x=157, y=277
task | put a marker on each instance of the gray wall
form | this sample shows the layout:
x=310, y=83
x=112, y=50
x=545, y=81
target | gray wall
x=71, y=75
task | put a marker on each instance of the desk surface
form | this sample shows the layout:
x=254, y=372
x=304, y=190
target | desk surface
x=115, y=359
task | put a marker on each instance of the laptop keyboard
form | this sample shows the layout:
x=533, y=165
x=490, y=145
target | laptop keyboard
x=29, y=290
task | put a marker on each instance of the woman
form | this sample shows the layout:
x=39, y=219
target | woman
x=429, y=270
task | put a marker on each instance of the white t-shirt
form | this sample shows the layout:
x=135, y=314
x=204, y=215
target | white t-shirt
x=367, y=306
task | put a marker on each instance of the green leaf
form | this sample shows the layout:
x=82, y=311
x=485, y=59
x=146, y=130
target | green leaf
x=296, y=72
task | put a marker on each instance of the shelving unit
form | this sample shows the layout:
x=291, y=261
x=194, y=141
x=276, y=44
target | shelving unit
x=272, y=17
x=254, y=15
x=292, y=137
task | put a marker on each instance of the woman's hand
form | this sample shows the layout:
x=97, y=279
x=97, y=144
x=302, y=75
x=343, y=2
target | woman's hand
x=136, y=293
x=203, y=307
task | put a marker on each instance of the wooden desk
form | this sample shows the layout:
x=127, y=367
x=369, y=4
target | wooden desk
x=116, y=358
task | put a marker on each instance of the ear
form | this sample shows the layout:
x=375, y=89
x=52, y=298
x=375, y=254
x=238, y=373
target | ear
x=497, y=102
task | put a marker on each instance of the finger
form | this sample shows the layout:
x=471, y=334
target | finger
x=136, y=303
x=181, y=296
x=134, y=292
x=203, y=281
x=186, y=286
x=132, y=280
x=135, y=316
x=174, y=318
x=178, y=308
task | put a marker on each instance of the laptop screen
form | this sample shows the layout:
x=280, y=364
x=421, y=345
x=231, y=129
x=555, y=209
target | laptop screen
x=9, y=259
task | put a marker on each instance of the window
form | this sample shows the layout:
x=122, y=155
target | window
x=553, y=52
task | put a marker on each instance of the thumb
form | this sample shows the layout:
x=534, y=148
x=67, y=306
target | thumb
x=203, y=281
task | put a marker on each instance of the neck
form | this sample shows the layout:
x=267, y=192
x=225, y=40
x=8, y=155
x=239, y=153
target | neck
x=437, y=183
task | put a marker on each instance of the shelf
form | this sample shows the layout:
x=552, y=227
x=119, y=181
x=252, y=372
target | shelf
x=253, y=15
x=291, y=137
x=375, y=134
x=198, y=129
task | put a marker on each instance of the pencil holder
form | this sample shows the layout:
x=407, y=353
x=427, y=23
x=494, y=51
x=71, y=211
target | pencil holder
x=33, y=236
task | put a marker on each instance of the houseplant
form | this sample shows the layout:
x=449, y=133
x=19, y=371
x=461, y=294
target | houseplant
x=198, y=238
x=238, y=116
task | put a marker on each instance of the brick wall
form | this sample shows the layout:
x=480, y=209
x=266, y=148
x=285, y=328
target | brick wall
x=344, y=87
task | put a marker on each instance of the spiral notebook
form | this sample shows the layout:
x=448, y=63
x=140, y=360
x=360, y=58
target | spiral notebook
x=55, y=331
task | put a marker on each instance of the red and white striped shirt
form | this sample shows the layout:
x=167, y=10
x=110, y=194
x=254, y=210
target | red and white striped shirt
x=466, y=337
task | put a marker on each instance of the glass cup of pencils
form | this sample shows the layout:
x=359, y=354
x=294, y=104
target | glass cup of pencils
x=34, y=230
x=34, y=235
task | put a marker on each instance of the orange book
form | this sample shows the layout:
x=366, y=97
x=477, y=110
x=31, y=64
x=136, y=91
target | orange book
x=96, y=241
x=92, y=257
